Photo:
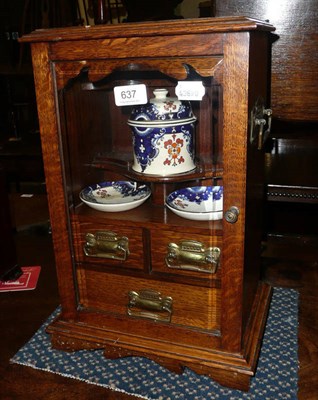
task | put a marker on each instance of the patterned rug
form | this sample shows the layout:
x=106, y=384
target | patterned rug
x=276, y=376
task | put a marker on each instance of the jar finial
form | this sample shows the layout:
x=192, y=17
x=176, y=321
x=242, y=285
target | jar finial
x=160, y=93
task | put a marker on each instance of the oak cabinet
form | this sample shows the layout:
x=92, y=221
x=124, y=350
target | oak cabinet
x=121, y=286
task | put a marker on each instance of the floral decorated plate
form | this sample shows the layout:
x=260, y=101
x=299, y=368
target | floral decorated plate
x=115, y=196
x=201, y=203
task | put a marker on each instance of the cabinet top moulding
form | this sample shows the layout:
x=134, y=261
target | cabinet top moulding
x=175, y=27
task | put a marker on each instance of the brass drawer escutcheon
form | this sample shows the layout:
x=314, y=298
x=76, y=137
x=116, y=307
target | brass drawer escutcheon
x=193, y=255
x=150, y=304
x=106, y=244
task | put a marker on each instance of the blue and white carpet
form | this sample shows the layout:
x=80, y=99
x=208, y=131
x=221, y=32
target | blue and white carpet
x=276, y=376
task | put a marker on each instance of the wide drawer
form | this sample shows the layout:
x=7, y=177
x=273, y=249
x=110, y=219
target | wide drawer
x=162, y=302
x=108, y=244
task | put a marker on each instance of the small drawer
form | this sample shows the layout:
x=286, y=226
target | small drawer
x=185, y=253
x=108, y=244
x=151, y=300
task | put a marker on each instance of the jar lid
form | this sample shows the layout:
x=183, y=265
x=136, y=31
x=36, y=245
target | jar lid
x=162, y=110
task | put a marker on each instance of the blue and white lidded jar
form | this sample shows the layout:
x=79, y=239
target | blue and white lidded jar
x=163, y=135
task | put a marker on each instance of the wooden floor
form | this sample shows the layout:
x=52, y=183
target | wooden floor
x=22, y=313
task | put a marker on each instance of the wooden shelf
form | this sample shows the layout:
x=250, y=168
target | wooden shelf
x=203, y=170
x=149, y=215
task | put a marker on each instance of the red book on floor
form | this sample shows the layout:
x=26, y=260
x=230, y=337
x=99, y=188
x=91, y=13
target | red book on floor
x=27, y=281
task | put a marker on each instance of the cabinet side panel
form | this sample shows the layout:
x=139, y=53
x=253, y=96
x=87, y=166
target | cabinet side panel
x=236, y=55
x=44, y=85
x=255, y=189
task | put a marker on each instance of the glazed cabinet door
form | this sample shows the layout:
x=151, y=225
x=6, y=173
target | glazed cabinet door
x=98, y=145
x=150, y=262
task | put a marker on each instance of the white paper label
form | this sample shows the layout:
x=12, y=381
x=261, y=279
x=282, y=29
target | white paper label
x=190, y=90
x=130, y=95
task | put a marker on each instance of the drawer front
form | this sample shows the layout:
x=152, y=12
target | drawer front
x=175, y=304
x=185, y=254
x=108, y=244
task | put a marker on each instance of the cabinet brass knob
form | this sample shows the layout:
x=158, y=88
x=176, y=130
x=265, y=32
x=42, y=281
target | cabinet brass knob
x=231, y=215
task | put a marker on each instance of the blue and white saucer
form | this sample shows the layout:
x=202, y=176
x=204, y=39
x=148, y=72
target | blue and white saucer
x=115, y=196
x=201, y=203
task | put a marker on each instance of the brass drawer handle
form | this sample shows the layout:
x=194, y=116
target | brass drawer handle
x=150, y=304
x=193, y=255
x=106, y=244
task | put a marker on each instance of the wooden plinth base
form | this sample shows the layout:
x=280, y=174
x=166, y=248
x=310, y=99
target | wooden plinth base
x=229, y=369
